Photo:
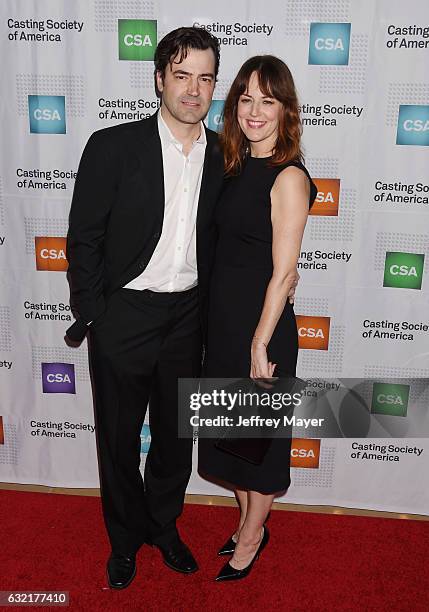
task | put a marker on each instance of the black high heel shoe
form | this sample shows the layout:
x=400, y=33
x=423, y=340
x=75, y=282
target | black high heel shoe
x=228, y=548
x=230, y=573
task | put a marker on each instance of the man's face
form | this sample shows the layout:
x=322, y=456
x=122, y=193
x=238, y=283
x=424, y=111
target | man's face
x=187, y=87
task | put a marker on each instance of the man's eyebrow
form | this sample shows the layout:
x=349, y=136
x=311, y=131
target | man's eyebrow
x=204, y=74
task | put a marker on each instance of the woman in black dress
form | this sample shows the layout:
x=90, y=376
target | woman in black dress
x=261, y=218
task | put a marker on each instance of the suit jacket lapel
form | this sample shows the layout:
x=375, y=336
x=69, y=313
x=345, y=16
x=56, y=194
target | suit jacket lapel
x=149, y=152
x=205, y=180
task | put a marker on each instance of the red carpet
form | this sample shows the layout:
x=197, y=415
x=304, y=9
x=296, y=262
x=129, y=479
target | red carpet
x=313, y=561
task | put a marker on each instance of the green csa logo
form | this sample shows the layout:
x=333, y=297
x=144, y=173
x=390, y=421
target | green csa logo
x=404, y=270
x=137, y=39
x=389, y=398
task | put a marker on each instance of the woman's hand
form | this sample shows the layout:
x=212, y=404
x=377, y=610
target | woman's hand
x=261, y=370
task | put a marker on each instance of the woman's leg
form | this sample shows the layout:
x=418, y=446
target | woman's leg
x=258, y=507
x=242, y=500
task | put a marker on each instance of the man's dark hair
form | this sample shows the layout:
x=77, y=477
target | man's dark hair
x=176, y=44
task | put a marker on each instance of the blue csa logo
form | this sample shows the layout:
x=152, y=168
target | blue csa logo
x=215, y=116
x=47, y=114
x=329, y=44
x=145, y=438
x=413, y=125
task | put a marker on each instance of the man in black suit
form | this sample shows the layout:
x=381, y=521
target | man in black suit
x=139, y=246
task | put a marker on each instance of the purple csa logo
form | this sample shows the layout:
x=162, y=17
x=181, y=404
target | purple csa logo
x=58, y=378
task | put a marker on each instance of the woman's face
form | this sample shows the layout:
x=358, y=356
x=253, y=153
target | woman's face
x=259, y=116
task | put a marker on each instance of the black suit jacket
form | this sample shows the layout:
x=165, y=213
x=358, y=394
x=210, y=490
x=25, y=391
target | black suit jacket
x=117, y=214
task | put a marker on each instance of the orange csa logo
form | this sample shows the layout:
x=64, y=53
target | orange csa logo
x=305, y=453
x=327, y=199
x=313, y=332
x=51, y=254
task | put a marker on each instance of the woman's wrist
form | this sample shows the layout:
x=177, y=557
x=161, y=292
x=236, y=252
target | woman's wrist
x=258, y=340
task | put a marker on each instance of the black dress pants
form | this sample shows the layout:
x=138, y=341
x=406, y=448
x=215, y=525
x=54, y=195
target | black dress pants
x=143, y=343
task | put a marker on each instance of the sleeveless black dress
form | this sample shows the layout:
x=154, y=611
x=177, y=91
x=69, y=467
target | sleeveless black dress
x=242, y=270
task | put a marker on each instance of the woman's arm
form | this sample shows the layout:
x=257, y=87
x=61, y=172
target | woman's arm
x=289, y=210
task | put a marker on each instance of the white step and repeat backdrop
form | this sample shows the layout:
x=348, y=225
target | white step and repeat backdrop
x=362, y=72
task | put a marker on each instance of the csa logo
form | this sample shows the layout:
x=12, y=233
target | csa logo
x=328, y=198
x=215, y=116
x=47, y=114
x=413, y=125
x=329, y=44
x=145, y=438
x=51, y=254
x=404, y=270
x=58, y=378
x=305, y=453
x=137, y=39
x=389, y=398
x=313, y=332
x=1, y=431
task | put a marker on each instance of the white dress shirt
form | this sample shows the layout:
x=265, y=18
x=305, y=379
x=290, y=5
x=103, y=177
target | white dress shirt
x=173, y=265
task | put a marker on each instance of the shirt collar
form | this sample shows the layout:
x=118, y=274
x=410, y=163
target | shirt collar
x=167, y=137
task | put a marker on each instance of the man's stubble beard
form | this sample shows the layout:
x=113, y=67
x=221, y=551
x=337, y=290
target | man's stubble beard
x=186, y=116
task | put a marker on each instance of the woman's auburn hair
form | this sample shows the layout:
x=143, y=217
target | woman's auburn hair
x=276, y=81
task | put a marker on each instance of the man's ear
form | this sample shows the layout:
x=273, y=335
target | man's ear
x=159, y=81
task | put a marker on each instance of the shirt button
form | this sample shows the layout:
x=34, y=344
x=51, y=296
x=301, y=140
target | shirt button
x=156, y=235
x=182, y=220
x=179, y=248
x=185, y=190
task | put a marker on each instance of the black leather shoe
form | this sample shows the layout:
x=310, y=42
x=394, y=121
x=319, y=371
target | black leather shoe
x=230, y=573
x=178, y=557
x=121, y=569
x=228, y=548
